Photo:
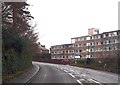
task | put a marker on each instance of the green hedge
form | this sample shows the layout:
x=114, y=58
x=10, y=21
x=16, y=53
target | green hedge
x=105, y=64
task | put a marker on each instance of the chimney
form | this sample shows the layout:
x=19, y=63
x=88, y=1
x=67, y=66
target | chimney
x=43, y=46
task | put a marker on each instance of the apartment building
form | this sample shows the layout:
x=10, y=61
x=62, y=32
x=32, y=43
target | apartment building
x=81, y=45
x=93, y=45
x=63, y=51
x=111, y=43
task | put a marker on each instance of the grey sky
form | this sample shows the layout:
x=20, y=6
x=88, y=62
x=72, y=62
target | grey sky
x=60, y=20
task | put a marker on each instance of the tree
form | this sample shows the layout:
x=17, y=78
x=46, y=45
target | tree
x=19, y=39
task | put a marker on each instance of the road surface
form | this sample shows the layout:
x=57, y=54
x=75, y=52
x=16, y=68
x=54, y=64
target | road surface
x=54, y=73
x=51, y=74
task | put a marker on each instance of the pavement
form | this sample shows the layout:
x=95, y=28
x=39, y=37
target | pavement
x=25, y=78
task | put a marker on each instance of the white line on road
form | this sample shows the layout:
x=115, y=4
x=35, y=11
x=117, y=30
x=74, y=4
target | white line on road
x=94, y=81
x=65, y=70
x=71, y=75
x=79, y=82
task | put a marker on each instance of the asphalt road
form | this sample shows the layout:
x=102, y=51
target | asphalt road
x=51, y=74
x=55, y=73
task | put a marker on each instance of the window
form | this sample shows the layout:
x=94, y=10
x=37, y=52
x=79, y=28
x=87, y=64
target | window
x=84, y=44
x=115, y=48
x=99, y=36
x=88, y=38
x=101, y=43
x=96, y=37
x=104, y=48
x=106, y=35
x=84, y=38
x=91, y=50
x=96, y=43
x=92, y=37
x=79, y=39
x=67, y=57
x=104, y=42
x=76, y=45
x=109, y=48
x=68, y=51
x=107, y=41
x=76, y=50
x=92, y=44
x=72, y=51
x=79, y=45
x=72, y=40
x=80, y=50
x=115, y=33
x=76, y=40
x=88, y=44
x=110, y=34
x=116, y=41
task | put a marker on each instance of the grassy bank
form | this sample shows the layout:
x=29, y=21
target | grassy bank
x=9, y=76
x=103, y=64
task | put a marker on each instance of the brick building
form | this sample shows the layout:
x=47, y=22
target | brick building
x=93, y=45
x=42, y=49
x=63, y=51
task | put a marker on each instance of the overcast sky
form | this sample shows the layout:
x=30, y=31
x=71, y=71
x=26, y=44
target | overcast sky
x=60, y=20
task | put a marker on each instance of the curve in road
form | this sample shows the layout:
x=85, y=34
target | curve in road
x=51, y=74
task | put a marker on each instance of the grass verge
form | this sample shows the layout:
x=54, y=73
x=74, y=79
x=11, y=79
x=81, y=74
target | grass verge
x=9, y=76
x=103, y=64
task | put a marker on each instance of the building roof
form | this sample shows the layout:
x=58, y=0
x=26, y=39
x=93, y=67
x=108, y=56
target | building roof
x=95, y=34
x=80, y=37
x=43, y=48
x=61, y=45
x=110, y=32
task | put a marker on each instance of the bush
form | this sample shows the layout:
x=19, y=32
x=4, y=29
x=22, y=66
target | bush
x=105, y=64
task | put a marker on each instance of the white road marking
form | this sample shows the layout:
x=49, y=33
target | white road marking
x=94, y=81
x=82, y=79
x=83, y=75
x=65, y=70
x=79, y=82
x=71, y=75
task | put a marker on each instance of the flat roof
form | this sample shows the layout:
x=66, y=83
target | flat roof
x=61, y=45
x=80, y=37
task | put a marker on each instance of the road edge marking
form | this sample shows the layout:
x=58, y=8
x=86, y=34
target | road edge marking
x=71, y=75
x=95, y=81
x=29, y=80
x=79, y=82
x=65, y=70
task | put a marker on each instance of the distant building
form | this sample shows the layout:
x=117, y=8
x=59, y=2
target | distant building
x=63, y=51
x=93, y=31
x=93, y=45
x=42, y=49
